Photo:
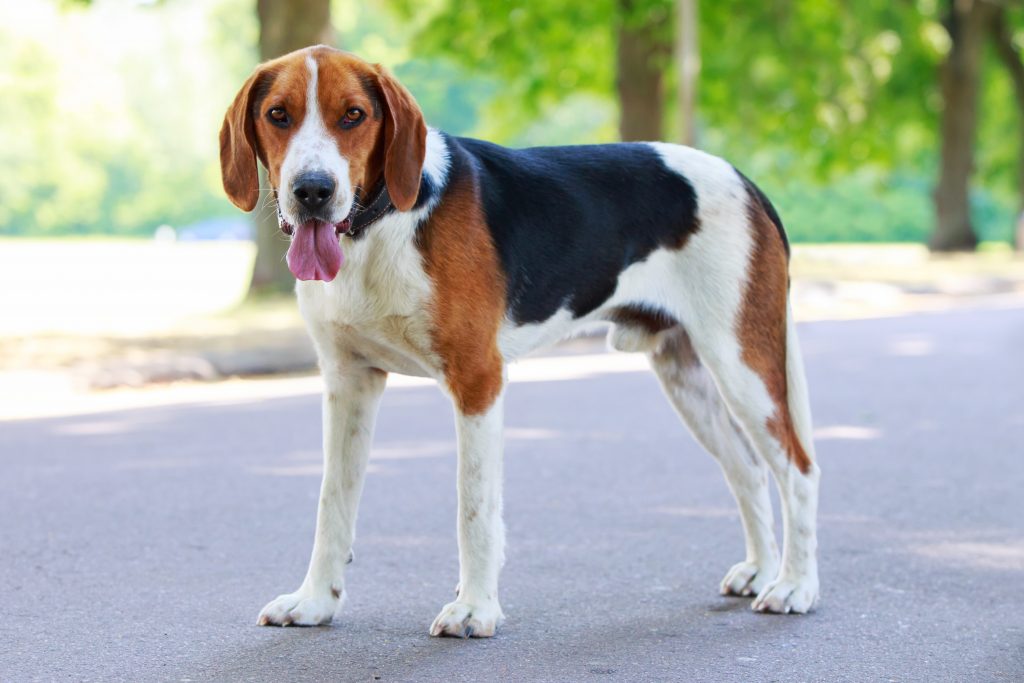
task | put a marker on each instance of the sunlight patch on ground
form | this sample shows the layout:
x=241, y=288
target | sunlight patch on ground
x=847, y=432
x=149, y=463
x=101, y=428
x=437, y=449
x=553, y=368
x=529, y=434
x=55, y=401
x=1000, y=556
x=699, y=512
x=911, y=346
x=304, y=470
x=310, y=470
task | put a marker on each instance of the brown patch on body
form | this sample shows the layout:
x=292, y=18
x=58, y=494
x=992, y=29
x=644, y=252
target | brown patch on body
x=651, y=320
x=469, y=296
x=762, y=327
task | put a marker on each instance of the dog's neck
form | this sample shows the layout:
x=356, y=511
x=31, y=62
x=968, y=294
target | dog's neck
x=378, y=204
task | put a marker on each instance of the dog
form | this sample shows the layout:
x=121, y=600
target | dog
x=424, y=254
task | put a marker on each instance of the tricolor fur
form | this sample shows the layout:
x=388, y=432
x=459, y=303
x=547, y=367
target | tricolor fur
x=489, y=253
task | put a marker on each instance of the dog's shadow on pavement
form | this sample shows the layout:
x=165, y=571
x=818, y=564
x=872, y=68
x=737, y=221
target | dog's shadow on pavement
x=637, y=644
x=731, y=604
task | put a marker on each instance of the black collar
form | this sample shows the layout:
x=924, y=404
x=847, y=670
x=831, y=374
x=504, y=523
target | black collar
x=364, y=214
x=359, y=219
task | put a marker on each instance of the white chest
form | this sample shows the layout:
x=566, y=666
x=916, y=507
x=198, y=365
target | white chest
x=377, y=310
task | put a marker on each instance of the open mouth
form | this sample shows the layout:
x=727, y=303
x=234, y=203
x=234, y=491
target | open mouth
x=315, y=252
x=287, y=228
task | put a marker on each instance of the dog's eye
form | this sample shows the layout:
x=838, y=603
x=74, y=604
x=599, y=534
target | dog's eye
x=353, y=117
x=279, y=117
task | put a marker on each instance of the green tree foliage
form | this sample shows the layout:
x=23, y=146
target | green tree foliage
x=115, y=114
x=115, y=107
x=835, y=81
x=540, y=50
x=839, y=82
x=832, y=107
x=803, y=92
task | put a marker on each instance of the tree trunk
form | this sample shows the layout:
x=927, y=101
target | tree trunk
x=638, y=76
x=285, y=25
x=687, y=66
x=960, y=75
x=1010, y=56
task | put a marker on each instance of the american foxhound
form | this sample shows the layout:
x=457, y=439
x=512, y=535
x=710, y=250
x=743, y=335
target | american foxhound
x=430, y=255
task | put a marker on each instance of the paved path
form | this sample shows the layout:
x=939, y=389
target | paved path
x=140, y=545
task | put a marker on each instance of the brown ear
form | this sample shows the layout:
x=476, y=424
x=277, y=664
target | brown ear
x=238, y=150
x=405, y=141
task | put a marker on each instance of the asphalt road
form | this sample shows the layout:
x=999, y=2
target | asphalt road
x=140, y=545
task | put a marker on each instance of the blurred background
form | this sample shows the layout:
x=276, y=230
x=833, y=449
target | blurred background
x=160, y=409
x=889, y=134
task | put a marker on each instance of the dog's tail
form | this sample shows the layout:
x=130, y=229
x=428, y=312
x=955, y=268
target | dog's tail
x=797, y=394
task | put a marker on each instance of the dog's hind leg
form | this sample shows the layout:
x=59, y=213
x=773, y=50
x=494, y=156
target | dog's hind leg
x=754, y=358
x=695, y=397
x=728, y=287
x=775, y=419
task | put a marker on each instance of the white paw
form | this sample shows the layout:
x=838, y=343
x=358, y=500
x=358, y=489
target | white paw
x=301, y=608
x=465, y=620
x=786, y=595
x=747, y=578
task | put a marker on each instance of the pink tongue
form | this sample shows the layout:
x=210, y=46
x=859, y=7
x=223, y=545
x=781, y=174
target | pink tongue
x=315, y=253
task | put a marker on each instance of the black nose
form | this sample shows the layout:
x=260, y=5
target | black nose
x=313, y=190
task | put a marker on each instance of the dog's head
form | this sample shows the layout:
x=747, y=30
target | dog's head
x=326, y=125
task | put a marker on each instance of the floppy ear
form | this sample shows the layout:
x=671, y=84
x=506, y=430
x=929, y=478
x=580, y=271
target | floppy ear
x=405, y=141
x=238, y=150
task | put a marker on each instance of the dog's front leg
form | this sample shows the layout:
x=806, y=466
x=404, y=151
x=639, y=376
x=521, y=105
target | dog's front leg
x=476, y=612
x=349, y=411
